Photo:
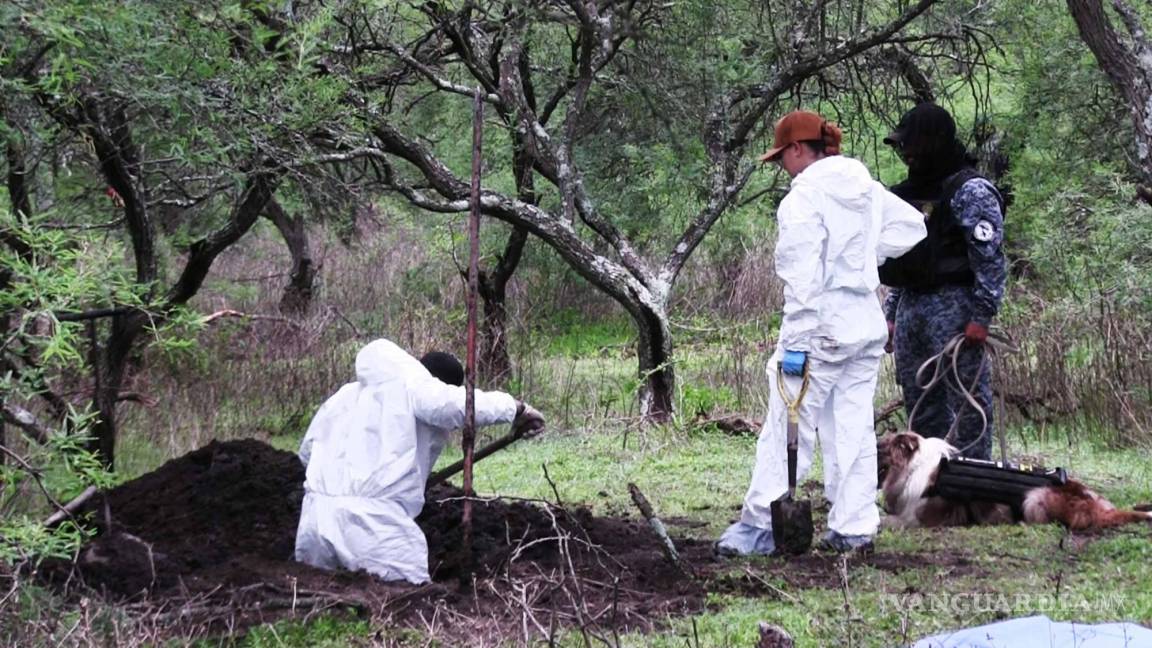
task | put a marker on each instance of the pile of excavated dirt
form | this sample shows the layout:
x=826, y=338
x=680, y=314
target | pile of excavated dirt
x=220, y=501
x=211, y=535
x=218, y=526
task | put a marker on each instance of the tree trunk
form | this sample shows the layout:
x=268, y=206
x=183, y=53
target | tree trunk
x=18, y=197
x=904, y=64
x=108, y=366
x=297, y=298
x=17, y=179
x=1128, y=67
x=495, y=365
x=4, y=327
x=654, y=351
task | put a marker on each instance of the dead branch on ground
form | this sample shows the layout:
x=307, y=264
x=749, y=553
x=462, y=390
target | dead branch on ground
x=666, y=544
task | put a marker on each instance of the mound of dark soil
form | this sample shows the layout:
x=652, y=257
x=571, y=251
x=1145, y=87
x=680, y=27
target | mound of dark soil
x=208, y=507
x=224, y=500
x=235, y=503
x=499, y=528
x=242, y=499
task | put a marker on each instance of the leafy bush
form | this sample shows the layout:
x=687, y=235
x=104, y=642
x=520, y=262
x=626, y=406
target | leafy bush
x=50, y=463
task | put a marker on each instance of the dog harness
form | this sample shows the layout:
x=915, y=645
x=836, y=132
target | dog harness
x=976, y=480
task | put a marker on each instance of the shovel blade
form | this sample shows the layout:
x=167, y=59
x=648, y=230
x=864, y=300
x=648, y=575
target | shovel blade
x=792, y=528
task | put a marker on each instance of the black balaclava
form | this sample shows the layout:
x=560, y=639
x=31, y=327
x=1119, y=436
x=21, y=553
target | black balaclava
x=444, y=366
x=926, y=135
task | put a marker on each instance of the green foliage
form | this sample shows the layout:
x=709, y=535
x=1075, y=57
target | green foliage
x=56, y=273
x=174, y=337
x=571, y=334
x=704, y=400
x=62, y=468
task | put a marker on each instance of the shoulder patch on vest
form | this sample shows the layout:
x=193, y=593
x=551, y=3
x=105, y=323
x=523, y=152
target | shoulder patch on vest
x=984, y=231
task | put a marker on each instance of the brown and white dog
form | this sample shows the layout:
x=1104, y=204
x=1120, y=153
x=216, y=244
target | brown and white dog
x=909, y=464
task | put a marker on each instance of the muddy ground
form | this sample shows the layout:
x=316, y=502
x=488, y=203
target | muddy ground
x=207, y=539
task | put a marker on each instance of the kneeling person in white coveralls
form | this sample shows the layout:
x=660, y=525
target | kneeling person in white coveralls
x=368, y=453
x=835, y=226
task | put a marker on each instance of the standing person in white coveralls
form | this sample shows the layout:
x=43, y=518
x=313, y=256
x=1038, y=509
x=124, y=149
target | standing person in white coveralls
x=835, y=226
x=368, y=453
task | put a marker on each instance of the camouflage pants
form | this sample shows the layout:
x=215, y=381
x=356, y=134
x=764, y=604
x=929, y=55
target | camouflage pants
x=925, y=322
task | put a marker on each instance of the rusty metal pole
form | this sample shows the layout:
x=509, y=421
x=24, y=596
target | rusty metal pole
x=469, y=435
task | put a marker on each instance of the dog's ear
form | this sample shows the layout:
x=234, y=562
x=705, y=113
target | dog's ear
x=908, y=444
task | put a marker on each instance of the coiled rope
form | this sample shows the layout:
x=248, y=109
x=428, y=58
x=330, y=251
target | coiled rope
x=946, y=362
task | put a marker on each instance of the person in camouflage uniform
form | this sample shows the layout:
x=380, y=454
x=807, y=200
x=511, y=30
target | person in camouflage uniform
x=952, y=283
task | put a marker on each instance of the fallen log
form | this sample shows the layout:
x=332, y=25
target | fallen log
x=891, y=407
x=733, y=424
x=69, y=509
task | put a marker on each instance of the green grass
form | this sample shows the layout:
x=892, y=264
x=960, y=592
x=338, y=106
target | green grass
x=1012, y=571
x=593, y=450
x=324, y=632
x=701, y=476
x=572, y=336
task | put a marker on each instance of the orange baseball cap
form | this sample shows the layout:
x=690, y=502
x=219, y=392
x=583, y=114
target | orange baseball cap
x=796, y=126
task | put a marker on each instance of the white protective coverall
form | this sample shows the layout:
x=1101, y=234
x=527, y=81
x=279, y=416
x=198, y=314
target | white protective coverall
x=368, y=452
x=836, y=225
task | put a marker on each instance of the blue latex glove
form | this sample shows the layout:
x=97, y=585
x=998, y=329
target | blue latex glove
x=793, y=362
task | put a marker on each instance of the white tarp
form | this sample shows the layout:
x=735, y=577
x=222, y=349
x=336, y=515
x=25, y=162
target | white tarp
x=1042, y=632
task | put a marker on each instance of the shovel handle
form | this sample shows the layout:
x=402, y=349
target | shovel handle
x=444, y=474
x=793, y=406
x=791, y=468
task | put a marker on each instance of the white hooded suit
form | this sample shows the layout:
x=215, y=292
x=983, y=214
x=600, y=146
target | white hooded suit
x=836, y=225
x=368, y=453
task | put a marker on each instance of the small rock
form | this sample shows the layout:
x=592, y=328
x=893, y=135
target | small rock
x=773, y=636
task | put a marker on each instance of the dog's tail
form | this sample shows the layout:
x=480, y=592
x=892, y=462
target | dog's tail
x=1120, y=517
x=1142, y=507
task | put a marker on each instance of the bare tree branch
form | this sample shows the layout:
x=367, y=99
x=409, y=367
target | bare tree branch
x=27, y=422
x=36, y=476
x=786, y=78
x=602, y=272
x=720, y=199
x=202, y=253
x=911, y=73
x=439, y=82
x=554, y=165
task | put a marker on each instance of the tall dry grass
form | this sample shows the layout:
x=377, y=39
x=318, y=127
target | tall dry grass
x=1083, y=368
x=1084, y=371
x=265, y=377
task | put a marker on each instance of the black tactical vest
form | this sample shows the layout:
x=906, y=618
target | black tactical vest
x=941, y=259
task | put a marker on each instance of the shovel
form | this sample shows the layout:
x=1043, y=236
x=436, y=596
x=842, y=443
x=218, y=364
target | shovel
x=442, y=475
x=791, y=519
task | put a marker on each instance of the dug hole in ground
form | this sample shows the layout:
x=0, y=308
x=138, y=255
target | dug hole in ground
x=207, y=542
